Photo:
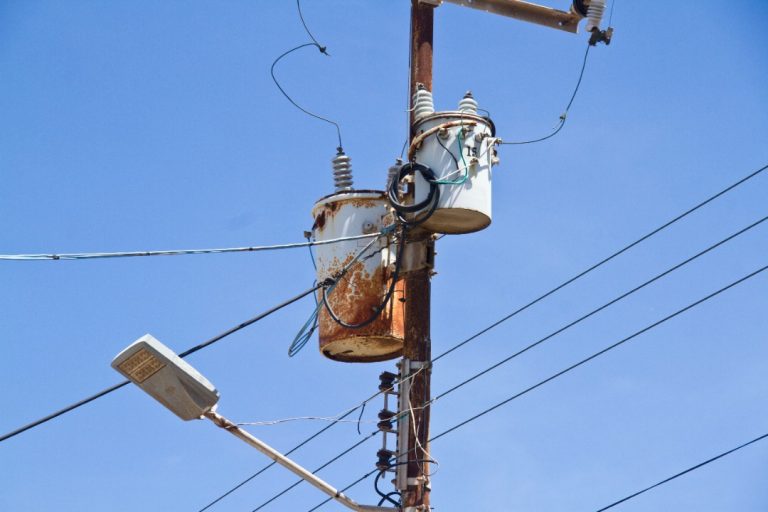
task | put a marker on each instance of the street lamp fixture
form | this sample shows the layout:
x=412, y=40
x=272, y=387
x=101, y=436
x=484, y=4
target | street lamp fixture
x=174, y=383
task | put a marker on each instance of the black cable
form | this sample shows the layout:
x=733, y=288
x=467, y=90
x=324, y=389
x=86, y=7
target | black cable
x=601, y=308
x=378, y=309
x=601, y=352
x=328, y=463
x=274, y=79
x=183, y=354
x=601, y=262
x=432, y=199
x=360, y=418
x=692, y=468
x=388, y=495
x=384, y=496
x=567, y=108
x=301, y=17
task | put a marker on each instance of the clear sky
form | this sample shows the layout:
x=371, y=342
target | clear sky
x=141, y=125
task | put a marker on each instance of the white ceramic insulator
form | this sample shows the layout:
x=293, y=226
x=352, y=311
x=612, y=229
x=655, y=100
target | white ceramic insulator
x=342, y=172
x=423, y=105
x=468, y=104
x=595, y=14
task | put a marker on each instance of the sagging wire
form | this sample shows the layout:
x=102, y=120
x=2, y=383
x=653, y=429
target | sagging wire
x=564, y=115
x=311, y=325
x=312, y=114
x=177, y=252
x=301, y=17
x=322, y=49
x=330, y=419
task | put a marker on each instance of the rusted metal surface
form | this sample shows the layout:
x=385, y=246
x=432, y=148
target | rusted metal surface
x=526, y=11
x=422, y=23
x=416, y=289
x=418, y=348
x=364, y=285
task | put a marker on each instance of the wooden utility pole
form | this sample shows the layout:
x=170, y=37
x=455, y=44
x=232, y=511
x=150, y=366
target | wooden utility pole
x=417, y=351
x=416, y=369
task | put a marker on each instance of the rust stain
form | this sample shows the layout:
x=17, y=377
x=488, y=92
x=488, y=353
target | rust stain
x=354, y=300
x=319, y=221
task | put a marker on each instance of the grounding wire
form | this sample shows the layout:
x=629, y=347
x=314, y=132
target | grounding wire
x=183, y=354
x=576, y=365
x=602, y=262
x=563, y=116
x=179, y=252
x=274, y=79
x=568, y=282
x=601, y=308
x=692, y=468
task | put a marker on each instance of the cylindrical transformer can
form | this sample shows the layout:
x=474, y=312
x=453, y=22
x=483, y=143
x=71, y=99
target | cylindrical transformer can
x=459, y=147
x=357, y=295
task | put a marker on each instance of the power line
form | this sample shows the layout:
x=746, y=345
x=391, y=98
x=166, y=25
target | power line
x=601, y=352
x=190, y=351
x=544, y=296
x=328, y=463
x=580, y=363
x=603, y=262
x=304, y=23
x=601, y=308
x=563, y=116
x=692, y=468
x=178, y=252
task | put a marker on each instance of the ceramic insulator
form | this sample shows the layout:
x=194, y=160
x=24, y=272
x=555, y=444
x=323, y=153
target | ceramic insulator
x=342, y=171
x=423, y=105
x=468, y=104
x=595, y=14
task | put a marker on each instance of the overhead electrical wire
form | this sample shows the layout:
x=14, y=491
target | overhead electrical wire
x=603, y=261
x=322, y=50
x=602, y=307
x=578, y=364
x=603, y=351
x=306, y=28
x=179, y=252
x=186, y=353
x=684, y=472
x=326, y=464
x=564, y=115
x=552, y=291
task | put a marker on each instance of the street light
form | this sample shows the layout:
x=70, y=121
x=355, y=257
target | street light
x=174, y=383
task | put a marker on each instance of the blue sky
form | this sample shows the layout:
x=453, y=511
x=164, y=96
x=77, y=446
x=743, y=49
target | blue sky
x=143, y=125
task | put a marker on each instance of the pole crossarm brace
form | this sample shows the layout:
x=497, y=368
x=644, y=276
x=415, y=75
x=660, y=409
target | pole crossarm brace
x=524, y=11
